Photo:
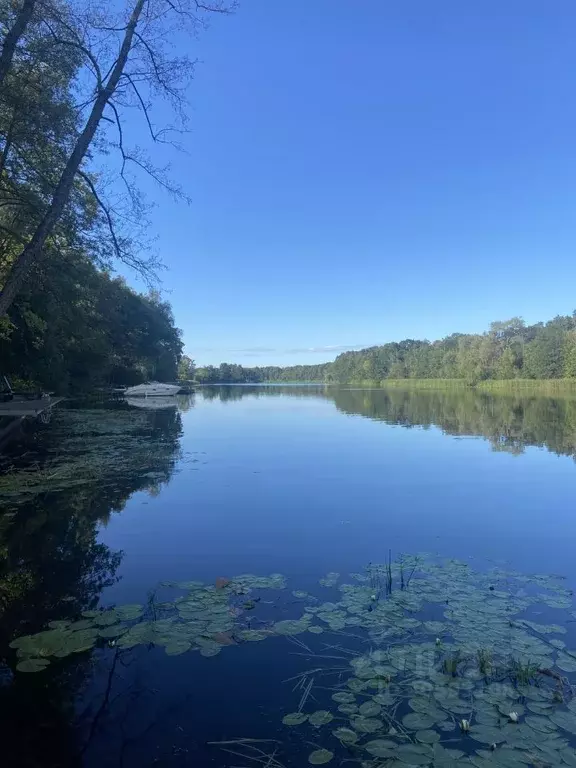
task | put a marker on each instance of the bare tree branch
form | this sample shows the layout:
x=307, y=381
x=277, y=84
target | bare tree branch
x=104, y=208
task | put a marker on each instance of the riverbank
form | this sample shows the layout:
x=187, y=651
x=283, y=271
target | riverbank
x=495, y=386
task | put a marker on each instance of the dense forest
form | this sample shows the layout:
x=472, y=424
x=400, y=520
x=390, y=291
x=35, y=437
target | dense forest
x=75, y=80
x=508, y=350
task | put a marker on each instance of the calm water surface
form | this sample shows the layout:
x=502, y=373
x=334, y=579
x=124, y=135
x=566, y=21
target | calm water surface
x=296, y=480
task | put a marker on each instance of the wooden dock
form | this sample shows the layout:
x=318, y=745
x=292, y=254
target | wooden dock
x=14, y=412
x=25, y=408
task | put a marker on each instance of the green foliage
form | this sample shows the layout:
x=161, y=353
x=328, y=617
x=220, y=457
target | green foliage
x=508, y=351
x=228, y=373
x=71, y=326
x=186, y=368
x=74, y=327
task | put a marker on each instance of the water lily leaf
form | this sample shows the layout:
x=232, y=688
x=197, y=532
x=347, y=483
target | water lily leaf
x=32, y=665
x=210, y=651
x=315, y=629
x=112, y=632
x=566, y=663
x=292, y=626
x=356, y=685
x=129, y=612
x=320, y=756
x=369, y=709
x=60, y=624
x=506, y=709
x=178, y=647
x=427, y=736
x=540, y=724
x=330, y=580
x=566, y=720
x=366, y=724
x=416, y=721
x=344, y=697
x=487, y=734
x=381, y=747
x=82, y=624
x=321, y=717
x=295, y=718
x=414, y=754
x=348, y=709
x=253, y=635
x=348, y=736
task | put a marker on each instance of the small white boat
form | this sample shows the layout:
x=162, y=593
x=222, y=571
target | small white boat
x=152, y=389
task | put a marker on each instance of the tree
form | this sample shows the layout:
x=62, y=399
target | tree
x=570, y=355
x=124, y=76
x=16, y=25
x=544, y=356
x=74, y=327
x=186, y=368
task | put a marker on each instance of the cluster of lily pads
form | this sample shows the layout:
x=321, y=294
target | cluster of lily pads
x=205, y=618
x=418, y=662
x=457, y=671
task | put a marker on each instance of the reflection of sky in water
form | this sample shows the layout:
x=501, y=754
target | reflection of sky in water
x=294, y=485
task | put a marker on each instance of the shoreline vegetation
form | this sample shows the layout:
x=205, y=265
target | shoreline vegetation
x=510, y=357
x=498, y=386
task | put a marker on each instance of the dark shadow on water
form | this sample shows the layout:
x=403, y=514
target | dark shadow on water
x=52, y=565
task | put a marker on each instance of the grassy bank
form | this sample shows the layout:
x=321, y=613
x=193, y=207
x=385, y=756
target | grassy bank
x=425, y=384
x=501, y=386
x=529, y=386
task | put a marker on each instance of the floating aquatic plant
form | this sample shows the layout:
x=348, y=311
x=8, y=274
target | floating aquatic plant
x=495, y=692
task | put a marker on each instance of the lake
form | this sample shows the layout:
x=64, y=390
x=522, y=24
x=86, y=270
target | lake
x=110, y=501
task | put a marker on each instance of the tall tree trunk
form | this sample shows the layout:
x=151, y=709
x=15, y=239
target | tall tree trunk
x=13, y=35
x=33, y=250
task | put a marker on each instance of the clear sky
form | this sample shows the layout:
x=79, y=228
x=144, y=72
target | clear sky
x=368, y=171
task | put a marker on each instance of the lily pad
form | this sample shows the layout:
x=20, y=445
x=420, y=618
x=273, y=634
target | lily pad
x=129, y=612
x=348, y=709
x=343, y=697
x=369, y=709
x=295, y=718
x=321, y=717
x=210, y=651
x=320, y=756
x=427, y=736
x=346, y=735
x=381, y=747
x=291, y=626
x=253, y=635
x=366, y=724
x=416, y=721
x=178, y=647
x=414, y=754
x=111, y=632
x=32, y=665
x=487, y=734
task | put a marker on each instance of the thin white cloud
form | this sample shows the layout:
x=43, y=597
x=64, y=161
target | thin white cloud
x=257, y=351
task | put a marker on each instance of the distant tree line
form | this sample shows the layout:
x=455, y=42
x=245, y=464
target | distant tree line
x=508, y=350
x=230, y=373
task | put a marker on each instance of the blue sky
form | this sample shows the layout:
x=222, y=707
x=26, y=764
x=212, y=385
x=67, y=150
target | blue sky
x=372, y=171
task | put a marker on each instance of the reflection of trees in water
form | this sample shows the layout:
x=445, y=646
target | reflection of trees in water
x=51, y=563
x=510, y=423
x=225, y=393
